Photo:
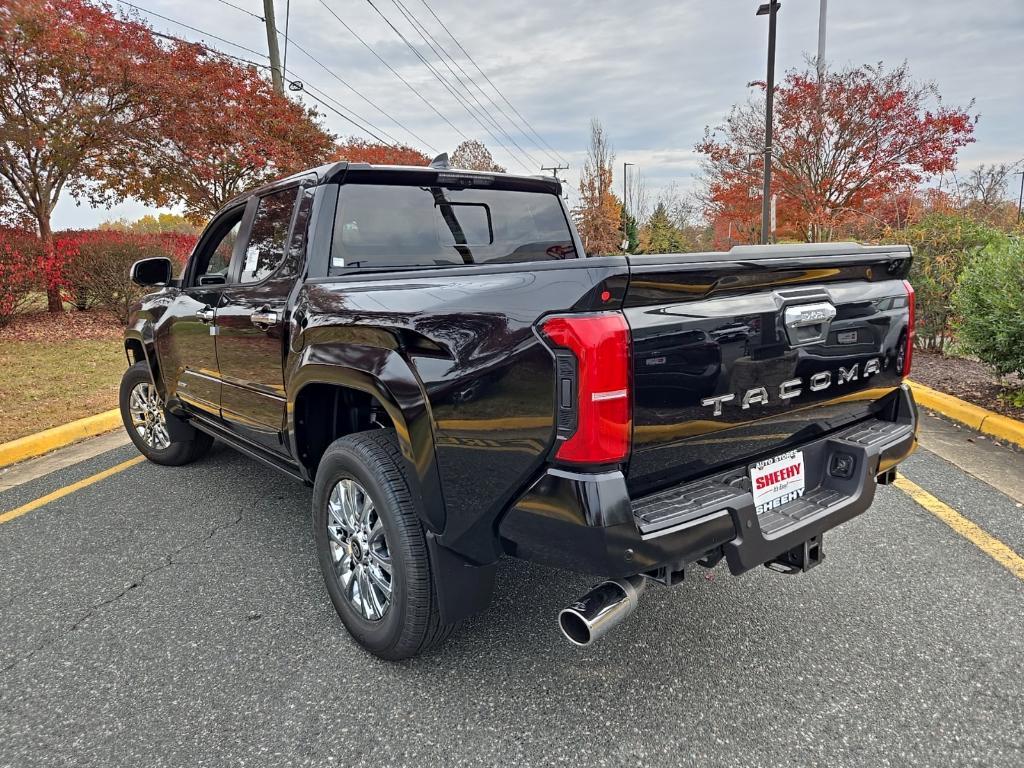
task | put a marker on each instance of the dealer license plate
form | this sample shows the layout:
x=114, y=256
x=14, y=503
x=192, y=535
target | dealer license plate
x=777, y=480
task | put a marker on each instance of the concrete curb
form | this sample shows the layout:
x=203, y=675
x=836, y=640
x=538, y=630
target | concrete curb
x=973, y=416
x=48, y=440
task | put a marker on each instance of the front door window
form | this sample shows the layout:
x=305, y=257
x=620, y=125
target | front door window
x=212, y=264
x=266, y=247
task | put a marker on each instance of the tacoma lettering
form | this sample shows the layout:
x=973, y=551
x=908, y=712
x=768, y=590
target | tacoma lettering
x=791, y=388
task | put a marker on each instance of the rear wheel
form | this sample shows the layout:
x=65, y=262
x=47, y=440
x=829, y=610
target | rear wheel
x=145, y=419
x=372, y=547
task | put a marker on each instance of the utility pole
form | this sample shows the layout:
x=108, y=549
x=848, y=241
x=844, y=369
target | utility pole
x=822, y=12
x=276, y=72
x=771, y=10
x=555, y=169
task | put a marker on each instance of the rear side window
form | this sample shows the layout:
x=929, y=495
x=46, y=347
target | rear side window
x=380, y=226
x=266, y=247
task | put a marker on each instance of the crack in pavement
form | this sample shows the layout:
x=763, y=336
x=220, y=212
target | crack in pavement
x=167, y=561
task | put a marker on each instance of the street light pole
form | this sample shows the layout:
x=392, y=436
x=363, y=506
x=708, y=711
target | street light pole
x=771, y=9
x=1020, y=199
x=625, y=207
x=625, y=189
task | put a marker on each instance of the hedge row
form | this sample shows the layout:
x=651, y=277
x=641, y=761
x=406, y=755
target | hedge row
x=89, y=267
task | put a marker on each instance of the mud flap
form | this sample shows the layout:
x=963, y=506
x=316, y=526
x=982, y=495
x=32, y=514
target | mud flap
x=463, y=588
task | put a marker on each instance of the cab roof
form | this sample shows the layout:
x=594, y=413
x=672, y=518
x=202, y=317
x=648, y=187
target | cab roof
x=419, y=174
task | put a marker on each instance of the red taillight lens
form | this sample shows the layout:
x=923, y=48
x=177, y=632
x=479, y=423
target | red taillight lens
x=909, y=353
x=604, y=420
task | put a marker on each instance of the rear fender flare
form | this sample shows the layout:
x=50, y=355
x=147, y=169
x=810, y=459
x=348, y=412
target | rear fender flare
x=385, y=376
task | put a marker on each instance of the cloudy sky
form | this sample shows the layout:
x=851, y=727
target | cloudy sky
x=655, y=72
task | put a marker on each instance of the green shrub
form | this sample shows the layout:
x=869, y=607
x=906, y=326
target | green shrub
x=989, y=300
x=943, y=245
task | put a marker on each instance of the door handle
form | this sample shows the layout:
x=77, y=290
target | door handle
x=264, y=318
x=205, y=315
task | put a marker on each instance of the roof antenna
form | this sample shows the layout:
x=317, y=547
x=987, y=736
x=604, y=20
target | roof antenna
x=440, y=162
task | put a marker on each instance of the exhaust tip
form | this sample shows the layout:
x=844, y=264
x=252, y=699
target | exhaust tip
x=603, y=607
x=574, y=627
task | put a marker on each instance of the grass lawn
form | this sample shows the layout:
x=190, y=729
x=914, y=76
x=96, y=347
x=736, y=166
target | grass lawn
x=57, y=368
x=46, y=384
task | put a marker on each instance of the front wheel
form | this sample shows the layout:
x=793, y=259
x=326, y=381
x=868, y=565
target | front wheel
x=372, y=547
x=145, y=419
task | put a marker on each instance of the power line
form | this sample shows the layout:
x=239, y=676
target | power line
x=243, y=10
x=489, y=82
x=393, y=70
x=337, y=77
x=490, y=99
x=304, y=87
x=444, y=57
x=441, y=53
x=208, y=49
x=458, y=97
x=362, y=128
x=321, y=100
x=193, y=29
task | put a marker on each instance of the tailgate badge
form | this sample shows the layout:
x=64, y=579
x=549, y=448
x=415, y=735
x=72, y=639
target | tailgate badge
x=808, y=323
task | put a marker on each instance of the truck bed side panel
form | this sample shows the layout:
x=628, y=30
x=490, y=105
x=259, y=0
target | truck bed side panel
x=468, y=335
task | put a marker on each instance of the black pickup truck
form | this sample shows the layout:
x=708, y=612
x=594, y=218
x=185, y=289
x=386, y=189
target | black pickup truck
x=436, y=354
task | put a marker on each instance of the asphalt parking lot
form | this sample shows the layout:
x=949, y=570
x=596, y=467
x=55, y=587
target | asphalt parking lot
x=177, y=617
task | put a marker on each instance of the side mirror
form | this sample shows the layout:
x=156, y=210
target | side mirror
x=155, y=271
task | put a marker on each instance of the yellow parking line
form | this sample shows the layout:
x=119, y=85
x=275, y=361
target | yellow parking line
x=983, y=540
x=60, y=493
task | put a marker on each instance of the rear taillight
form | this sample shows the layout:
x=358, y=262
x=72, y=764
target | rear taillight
x=595, y=413
x=909, y=351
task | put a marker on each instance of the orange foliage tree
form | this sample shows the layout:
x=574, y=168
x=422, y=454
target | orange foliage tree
x=841, y=145
x=224, y=130
x=357, y=150
x=598, y=215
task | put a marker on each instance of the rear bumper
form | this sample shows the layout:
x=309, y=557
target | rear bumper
x=587, y=522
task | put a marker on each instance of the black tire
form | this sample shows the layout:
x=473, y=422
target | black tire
x=411, y=624
x=189, y=443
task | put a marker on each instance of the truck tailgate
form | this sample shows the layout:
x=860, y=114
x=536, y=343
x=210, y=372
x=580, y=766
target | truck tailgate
x=741, y=356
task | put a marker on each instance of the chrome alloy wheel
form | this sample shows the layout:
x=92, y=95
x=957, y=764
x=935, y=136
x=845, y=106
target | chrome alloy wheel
x=148, y=416
x=359, y=549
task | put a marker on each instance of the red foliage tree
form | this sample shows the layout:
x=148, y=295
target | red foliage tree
x=76, y=87
x=98, y=106
x=357, y=150
x=841, y=145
